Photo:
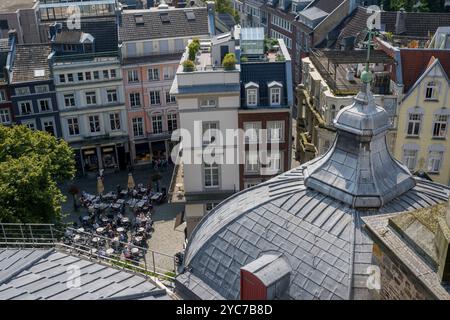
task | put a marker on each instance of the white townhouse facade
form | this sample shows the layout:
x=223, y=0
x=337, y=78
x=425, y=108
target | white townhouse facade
x=89, y=91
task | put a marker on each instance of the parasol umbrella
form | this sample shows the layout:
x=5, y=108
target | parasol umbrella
x=131, y=183
x=100, y=186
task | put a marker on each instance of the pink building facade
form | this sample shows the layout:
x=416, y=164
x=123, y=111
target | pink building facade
x=152, y=112
x=152, y=42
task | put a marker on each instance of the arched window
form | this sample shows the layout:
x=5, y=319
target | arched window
x=341, y=107
x=332, y=112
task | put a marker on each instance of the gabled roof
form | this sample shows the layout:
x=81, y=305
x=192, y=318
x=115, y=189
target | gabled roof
x=414, y=64
x=433, y=63
x=31, y=63
x=43, y=274
x=157, y=24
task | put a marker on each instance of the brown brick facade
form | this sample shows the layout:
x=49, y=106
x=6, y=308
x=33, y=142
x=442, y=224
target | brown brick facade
x=263, y=116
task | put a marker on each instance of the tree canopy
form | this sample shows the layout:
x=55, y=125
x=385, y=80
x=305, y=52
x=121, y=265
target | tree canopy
x=32, y=164
x=414, y=5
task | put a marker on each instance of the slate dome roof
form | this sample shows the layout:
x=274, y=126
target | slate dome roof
x=310, y=216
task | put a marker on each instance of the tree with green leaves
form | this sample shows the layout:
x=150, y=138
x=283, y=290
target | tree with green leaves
x=32, y=164
x=414, y=5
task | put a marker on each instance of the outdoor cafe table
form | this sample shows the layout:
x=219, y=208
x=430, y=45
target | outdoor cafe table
x=110, y=251
x=138, y=238
x=140, y=204
x=95, y=239
x=141, y=230
x=124, y=192
x=100, y=230
x=93, y=251
x=86, y=218
x=120, y=229
x=116, y=206
x=104, y=219
x=120, y=201
x=76, y=237
x=80, y=229
x=134, y=250
x=142, y=190
x=125, y=220
x=156, y=196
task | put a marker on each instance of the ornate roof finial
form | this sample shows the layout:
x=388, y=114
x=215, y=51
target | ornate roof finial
x=366, y=75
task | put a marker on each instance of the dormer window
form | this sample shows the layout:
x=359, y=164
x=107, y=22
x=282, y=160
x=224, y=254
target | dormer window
x=275, y=93
x=251, y=90
x=432, y=91
x=281, y=4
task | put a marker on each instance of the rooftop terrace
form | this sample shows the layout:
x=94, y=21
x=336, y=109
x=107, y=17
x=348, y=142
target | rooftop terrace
x=341, y=70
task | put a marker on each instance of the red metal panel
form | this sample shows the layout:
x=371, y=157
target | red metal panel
x=251, y=287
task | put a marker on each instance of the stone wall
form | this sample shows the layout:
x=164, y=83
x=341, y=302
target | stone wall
x=397, y=283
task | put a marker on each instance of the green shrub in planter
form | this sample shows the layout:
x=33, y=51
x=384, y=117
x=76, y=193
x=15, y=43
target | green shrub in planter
x=229, y=61
x=188, y=66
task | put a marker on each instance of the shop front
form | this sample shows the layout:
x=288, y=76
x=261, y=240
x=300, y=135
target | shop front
x=142, y=152
x=90, y=160
x=109, y=158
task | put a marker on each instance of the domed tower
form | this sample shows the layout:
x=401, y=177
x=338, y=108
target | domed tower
x=359, y=169
x=300, y=235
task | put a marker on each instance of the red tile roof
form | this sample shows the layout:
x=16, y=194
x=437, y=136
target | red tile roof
x=416, y=61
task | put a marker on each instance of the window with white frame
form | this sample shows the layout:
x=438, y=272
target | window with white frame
x=114, y=120
x=22, y=91
x=91, y=98
x=155, y=98
x=277, y=35
x=410, y=158
x=157, y=124
x=170, y=98
x=274, y=164
x=30, y=124
x=435, y=161
x=62, y=78
x=168, y=73
x=25, y=107
x=138, y=127
x=252, y=130
x=135, y=100
x=80, y=76
x=48, y=125
x=94, y=124
x=69, y=100
x=112, y=95
x=73, y=127
x=210, y=205
x=432, y=91
x=209, y=130
x=211, y=175
x=414, y=123
x=275, y=131
x=172, y=124
x=275, y=96
x=105, y=74
x=5, y=116
x=113, y=73
x=133, y=76
x=88, y=75
x=208, y=102
x=153, y=74
x=252, y=97
x=70, y=77
x=2, y=96
x=45, y=105
x=440, y=125
x=42, y=89
x=251, y=162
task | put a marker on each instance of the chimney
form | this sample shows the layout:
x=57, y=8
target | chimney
x=400, y=22
x=443, y=246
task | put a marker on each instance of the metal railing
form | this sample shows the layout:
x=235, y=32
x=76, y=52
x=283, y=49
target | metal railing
x=141, y=260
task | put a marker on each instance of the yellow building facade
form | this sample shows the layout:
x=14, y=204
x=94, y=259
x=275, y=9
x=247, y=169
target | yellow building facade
x=423, y=141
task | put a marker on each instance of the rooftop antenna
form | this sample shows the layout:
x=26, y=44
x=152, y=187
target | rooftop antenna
x=366, y=75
